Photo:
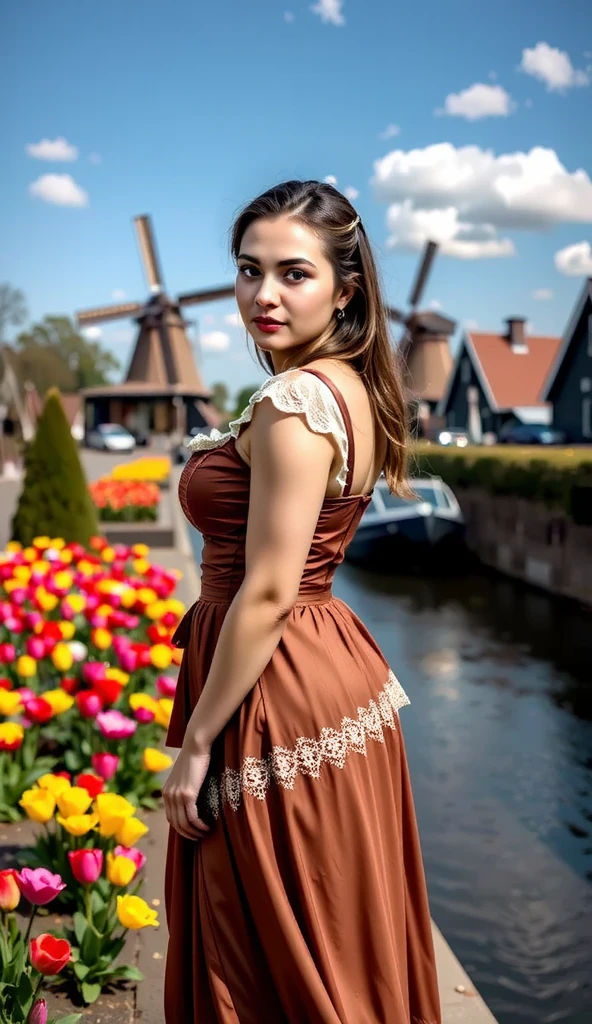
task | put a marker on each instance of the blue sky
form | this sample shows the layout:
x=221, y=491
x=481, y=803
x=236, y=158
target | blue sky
x=185, y=110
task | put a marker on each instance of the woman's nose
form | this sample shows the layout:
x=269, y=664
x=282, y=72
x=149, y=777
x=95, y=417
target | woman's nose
x=267, y=294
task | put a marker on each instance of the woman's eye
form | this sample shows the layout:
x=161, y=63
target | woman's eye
x=243, y=270
x=301, y=272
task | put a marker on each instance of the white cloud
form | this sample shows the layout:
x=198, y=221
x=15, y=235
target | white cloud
x=92, y=333
x=209, y=319
x=542, y=294
x=471, y=325
x=57, y=150
x=233, y=320
x=553, y=67
x=95, y=158
x=214, y=341
x=410, y=229
x=329, y=11
x=478, y=101
x=463, y=197
x=288, y=17
x=330, y=179
x=351, y=193
x=60, y=189
x=118, y=294
x=390, y=131
x=575, y=260
x=434, y=304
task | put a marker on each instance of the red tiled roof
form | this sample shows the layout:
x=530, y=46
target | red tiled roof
x=515, y=378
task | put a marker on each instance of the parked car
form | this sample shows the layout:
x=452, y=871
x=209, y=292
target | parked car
x=530, y=433
x=460, y=438
x=111, y=437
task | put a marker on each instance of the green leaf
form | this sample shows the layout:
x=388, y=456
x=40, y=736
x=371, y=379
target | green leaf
x=90, y=992
x=80, y=926
x=128, y=972
x=96, y=902
x=72, y=1018
x=90, y=947
x=81, y=970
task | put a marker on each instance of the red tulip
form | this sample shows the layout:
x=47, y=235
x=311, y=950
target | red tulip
x=70, y=684
x=38, y=710
x=86, y=865
x=92, y=783
x=89, y=703
x=5, y=683
x=48, y=954
x=10, y=894
x=109, y=689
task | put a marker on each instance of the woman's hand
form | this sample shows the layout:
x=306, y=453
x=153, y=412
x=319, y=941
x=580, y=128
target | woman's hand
x=181, y=790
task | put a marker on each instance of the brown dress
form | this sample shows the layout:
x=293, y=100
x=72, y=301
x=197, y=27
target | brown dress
x=306, y=904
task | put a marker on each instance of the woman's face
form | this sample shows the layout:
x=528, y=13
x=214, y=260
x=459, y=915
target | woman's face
x=283, y=276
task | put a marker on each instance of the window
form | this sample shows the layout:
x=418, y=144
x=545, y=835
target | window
x=585, y=385
x=465, y=370
x=587, y=417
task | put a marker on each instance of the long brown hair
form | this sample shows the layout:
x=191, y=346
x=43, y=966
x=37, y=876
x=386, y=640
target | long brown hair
x=362, y=338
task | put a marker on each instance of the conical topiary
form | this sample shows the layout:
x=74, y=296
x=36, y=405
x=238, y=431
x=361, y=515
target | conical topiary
x=55, y=499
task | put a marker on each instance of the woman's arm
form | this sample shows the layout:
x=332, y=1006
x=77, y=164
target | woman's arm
x=290, y=466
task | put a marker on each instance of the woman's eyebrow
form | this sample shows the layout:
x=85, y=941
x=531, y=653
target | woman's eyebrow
x=281, y=263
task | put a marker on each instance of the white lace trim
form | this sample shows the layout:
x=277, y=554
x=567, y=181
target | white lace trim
x=283, y=765
x=298, y=393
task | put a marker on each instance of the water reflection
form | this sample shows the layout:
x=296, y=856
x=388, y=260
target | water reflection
x=499, y=737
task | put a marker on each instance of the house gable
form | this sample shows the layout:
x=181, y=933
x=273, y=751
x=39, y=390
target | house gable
x=571, y=389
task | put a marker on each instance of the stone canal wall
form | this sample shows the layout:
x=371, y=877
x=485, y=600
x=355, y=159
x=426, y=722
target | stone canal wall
x=528, y=541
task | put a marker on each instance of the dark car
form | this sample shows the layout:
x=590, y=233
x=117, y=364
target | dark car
x=530, y=433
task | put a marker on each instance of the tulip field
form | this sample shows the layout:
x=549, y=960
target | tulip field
x=87, y=679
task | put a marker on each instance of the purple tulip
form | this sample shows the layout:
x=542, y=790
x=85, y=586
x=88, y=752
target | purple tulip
x=39, y=885
x=116, y=726
x=38, y=1014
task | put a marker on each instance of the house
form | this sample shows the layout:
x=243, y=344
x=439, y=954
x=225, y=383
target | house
x=499, y=378
x=569, y=384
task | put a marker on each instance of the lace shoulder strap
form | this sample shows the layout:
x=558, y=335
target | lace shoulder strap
x=347, y=421
x=298, y=392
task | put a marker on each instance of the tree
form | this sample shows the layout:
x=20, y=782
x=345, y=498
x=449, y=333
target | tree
x=220, y=396
x=53, y=353
x=13, y=308
x=242, y=399
x=55, y=500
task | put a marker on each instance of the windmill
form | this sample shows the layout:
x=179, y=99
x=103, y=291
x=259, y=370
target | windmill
x=424, y=344
x=162, y=370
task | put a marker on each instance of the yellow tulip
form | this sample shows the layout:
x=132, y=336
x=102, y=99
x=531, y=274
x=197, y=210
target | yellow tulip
x=59, y=700
x=46, y=601
x=57, y=543
x=175, y=606
x=128, y=597
x=41, y=566
x=12, y=735
x=41, y=543
x=85, y=567
x=141, y=566
x=113, y=810
x=154, y=760
x=67, y=629
x=120, y=870
x=66, y=557
x=10, y=585
x=77, y=602
x=22, y=573
x=78, y=824
x=14, y=546
x=118, y=675
x=75, y=800
x=133, y=912
x=140, y=550
x=156, y=610
x=29, y=554
x=108, y=555
x=61, y=655
x=143, y=700
x=26, y=667
x=130, y=830
x=102, y=638
x=38, y=804
x=55, y=784
x=161, y=656
x=63, y=579
x=164, y=710
x=146, y=595
x=10, y=703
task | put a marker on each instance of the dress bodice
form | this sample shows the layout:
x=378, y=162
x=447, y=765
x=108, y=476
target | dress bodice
x=214, y=492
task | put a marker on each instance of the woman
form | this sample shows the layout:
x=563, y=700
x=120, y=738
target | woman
x=294, y=886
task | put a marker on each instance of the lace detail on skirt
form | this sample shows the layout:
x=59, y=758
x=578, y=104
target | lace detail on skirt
x=284, y=764
x=291, y=392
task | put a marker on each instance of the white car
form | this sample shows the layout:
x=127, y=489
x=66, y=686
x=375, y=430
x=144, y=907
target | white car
x=111, y=437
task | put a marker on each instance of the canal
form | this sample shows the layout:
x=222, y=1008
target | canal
x=499, y=740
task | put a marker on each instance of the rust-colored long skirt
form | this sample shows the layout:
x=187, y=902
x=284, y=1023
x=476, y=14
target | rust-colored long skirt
x=306, y=903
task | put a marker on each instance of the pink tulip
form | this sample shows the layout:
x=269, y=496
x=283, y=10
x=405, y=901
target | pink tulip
x=166, y=686
x=105, y=765
x=26, y=694
x=39, y=885
x=35, y=647
x=14, y=625
x=7, y=654
x=131, y=853
x=38, y=1014
x=128, y=659
x=144, y=715
x=19, y=595
x=32, y=619
x=5, y=610
x=86, y=865
x=116, y=726
x=93, y=671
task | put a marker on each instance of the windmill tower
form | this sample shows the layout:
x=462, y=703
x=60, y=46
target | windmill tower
x=163, y=389
x=424, y=345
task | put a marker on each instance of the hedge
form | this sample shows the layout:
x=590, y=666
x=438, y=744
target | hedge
x=561, y=479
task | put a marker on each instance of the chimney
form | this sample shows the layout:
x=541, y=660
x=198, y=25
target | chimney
x=515, y=333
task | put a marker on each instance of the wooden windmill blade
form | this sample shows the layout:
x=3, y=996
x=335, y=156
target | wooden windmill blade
x=148, y=253
x=422, y=274
x=102, y=313
x=224, y=291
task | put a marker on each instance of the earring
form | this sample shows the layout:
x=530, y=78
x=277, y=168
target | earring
x=340, y=314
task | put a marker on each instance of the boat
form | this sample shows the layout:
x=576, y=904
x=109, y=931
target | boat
x=394, y=528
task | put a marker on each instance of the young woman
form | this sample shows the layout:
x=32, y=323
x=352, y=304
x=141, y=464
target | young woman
x=295, y=891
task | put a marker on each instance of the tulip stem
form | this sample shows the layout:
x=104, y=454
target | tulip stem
x=87, y=903
x=28, y=931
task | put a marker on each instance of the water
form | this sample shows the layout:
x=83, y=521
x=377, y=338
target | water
x=499, y=740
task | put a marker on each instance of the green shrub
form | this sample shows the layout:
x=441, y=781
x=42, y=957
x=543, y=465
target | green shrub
x=561, y=480
x=55, y=500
